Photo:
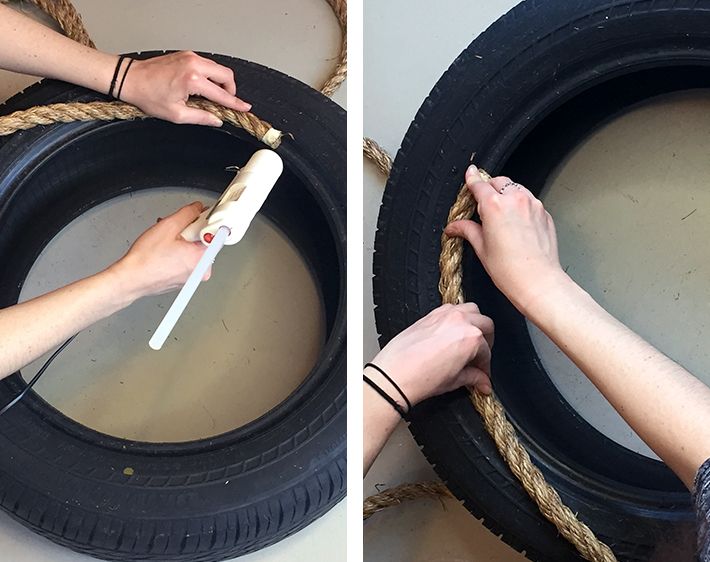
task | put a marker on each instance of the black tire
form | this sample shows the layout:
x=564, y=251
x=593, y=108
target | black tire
x=520, y=97
x=203, y=500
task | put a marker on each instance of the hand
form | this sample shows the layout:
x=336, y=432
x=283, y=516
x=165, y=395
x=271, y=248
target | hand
x=447, y=349
x=160, y=260
x=160, y=86
x=516, y=240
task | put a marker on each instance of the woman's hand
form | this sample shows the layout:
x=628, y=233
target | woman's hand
x=447, y=349
x=516, y=240
x=160, y=86
x=160, y=260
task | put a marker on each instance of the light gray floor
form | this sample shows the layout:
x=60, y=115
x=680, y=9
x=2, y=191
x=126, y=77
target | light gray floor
x=303, y=43
x=630, y=204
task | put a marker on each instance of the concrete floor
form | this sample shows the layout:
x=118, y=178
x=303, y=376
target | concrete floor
x=627, y=203
x=284, y=304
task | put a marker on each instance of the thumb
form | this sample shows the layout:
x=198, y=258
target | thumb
x=469, y=230
x=476, y=378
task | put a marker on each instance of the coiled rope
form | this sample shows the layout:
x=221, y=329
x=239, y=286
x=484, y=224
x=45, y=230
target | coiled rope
x=488, y=406
x=70, y=22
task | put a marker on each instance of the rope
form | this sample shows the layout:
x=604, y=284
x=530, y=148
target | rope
x=70, y=22
x=378, y=155
x=108, y=111
x=489, y=407
x=399, y=494
x=340, y=9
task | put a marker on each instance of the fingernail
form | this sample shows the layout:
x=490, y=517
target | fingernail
x=216, y=122
x=471, y=170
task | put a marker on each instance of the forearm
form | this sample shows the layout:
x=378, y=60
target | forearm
x=30, y=329
x=379, y=421
x=32, y=48
x=661, y=401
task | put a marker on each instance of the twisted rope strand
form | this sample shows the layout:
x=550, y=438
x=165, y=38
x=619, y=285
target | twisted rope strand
x=489, y=407
x=399, y=494
x=108, y=111
x=337, y=77
x=378, y=155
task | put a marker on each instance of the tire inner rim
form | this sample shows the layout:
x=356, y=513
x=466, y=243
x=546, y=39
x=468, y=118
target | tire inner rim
x=628, y=203
x=247, y=340
x=250, y=336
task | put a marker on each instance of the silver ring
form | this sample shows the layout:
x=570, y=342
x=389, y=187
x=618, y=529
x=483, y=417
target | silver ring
x=510, y=184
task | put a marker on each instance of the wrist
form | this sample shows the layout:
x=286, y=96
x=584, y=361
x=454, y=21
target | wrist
x=548, y=291
x=129, y=92
x=406, y=381
x=127, y=284
x=377, y=407
x=95, y=70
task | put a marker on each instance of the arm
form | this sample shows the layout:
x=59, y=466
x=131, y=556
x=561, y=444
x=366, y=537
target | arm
x=159, y=86
x=661, y=401
x=159, y=261
x=447, y=349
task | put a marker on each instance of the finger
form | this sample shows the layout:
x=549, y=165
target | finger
x=486, y=325
x=472, y=175
x=469, y=230
x=476, y=378
x=219, y=74
x=468, y=307
x=501, y=183
x=481, y=190
x=208, y=89
x=482, y=358
x=196, y=117
x=176, y=223
x=224, y=77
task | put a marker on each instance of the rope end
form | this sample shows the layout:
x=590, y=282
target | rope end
x=272, y=138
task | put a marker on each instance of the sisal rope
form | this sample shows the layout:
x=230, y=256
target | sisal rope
x=108, y=111
x=337, y=77
x=70, y=22
x=378, y=155
x=399, y=494
x=489, y=407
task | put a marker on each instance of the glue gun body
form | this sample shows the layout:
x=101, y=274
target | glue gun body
x=240, y=202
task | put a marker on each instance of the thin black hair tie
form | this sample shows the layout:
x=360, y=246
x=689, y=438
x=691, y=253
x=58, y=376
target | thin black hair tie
x=386, y=396
x=120, y=88
x=115, y=75
x=394, y=384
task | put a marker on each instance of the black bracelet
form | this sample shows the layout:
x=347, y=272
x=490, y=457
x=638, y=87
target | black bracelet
x=386, y=396
x=394, y=384
x=115, y=75
x=120, y=88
